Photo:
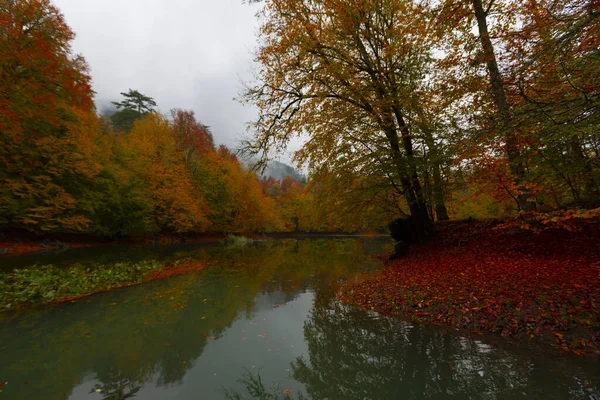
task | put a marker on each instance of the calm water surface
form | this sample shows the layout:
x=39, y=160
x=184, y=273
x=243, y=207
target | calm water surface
x=262, y=323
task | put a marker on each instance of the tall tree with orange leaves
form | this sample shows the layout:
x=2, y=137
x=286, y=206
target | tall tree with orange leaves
x=154, y=155
x=526, y=75
x=47, y=120
x=557, y=77
x=350, y=75
x=234, y=195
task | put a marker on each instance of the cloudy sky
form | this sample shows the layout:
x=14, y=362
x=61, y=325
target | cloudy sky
x=190, y=54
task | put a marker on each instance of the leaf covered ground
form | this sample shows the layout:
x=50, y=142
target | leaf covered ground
x=506, y=281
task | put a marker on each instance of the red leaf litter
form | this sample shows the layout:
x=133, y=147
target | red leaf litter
x=506, y=281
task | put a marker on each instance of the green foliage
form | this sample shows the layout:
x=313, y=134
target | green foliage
x=43, y=284
x=135, y=106
x=479, y=203
x=123, y=120
x=134, y=100
x=116, y=208
x=238, y=241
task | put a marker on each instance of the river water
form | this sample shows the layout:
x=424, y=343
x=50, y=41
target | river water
x=263, y=323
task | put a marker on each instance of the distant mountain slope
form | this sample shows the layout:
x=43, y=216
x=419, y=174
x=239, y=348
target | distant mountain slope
x=279, y=171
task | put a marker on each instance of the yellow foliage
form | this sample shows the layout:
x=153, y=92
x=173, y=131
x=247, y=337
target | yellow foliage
x=153, y=155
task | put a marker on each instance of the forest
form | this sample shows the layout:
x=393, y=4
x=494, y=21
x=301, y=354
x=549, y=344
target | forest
x=468, y=129
x=433, y=110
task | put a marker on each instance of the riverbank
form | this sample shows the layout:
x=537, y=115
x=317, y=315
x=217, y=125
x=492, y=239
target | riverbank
x=483, y=277
x=22, y=243
x=47, y=284
x=19, y=243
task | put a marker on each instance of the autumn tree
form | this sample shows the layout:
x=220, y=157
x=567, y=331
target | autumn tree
x=348, y=74
x=525, y=72
x=153, y=155
x=194, y=138
x=556, y=74
x=507, y=131
x=292, y=204
x=351, y=202
x=234, y=194
x=47, y=121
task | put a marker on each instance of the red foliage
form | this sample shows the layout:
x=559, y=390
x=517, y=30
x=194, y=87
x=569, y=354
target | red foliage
x=13, y=247
x=165, y=272
x=190, y=133
x=508, y=282
x=174, y=270
x=19, y=244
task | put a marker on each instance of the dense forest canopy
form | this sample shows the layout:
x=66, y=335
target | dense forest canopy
x=428, y=109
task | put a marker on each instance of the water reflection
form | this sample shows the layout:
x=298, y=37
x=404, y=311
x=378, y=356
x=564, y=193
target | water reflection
x=355, y=355
x=255, y=388
x=117, y=388
x=266, y=309
x=151, y=335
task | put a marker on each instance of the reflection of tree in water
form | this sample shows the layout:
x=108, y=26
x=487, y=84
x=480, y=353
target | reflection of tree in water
x=353, y=355
x=284, y=268
x=154, y=332
x=142, y=333
x=116, y=387
x=256, y=389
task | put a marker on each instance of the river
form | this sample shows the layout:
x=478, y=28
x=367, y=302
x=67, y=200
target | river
x=263, y=323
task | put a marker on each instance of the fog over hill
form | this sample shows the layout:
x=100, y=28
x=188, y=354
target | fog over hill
x=279, y=171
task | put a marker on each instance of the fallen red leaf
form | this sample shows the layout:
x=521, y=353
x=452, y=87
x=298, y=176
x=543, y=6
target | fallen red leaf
x=510, y=283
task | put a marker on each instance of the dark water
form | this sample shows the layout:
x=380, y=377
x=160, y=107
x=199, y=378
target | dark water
x=263, y=321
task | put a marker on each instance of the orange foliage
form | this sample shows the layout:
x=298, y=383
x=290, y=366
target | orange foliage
x=154, y=156
x=47, y=123
x=235, y=197
x=190, y=133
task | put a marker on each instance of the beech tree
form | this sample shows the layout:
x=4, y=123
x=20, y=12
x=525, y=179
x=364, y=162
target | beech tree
x=511, y=141
x=154, y=155
x=47, y=120
x=557, y=77
x=527, y=77
x=194, y=138
x=347, y=74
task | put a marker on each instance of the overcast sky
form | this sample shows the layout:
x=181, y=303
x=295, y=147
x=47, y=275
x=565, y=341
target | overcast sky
x=189, y=54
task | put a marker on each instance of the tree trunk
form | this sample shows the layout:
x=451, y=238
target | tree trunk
x=511, y=141
x=583, y=167
x=421, y=225
x=438, y=192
